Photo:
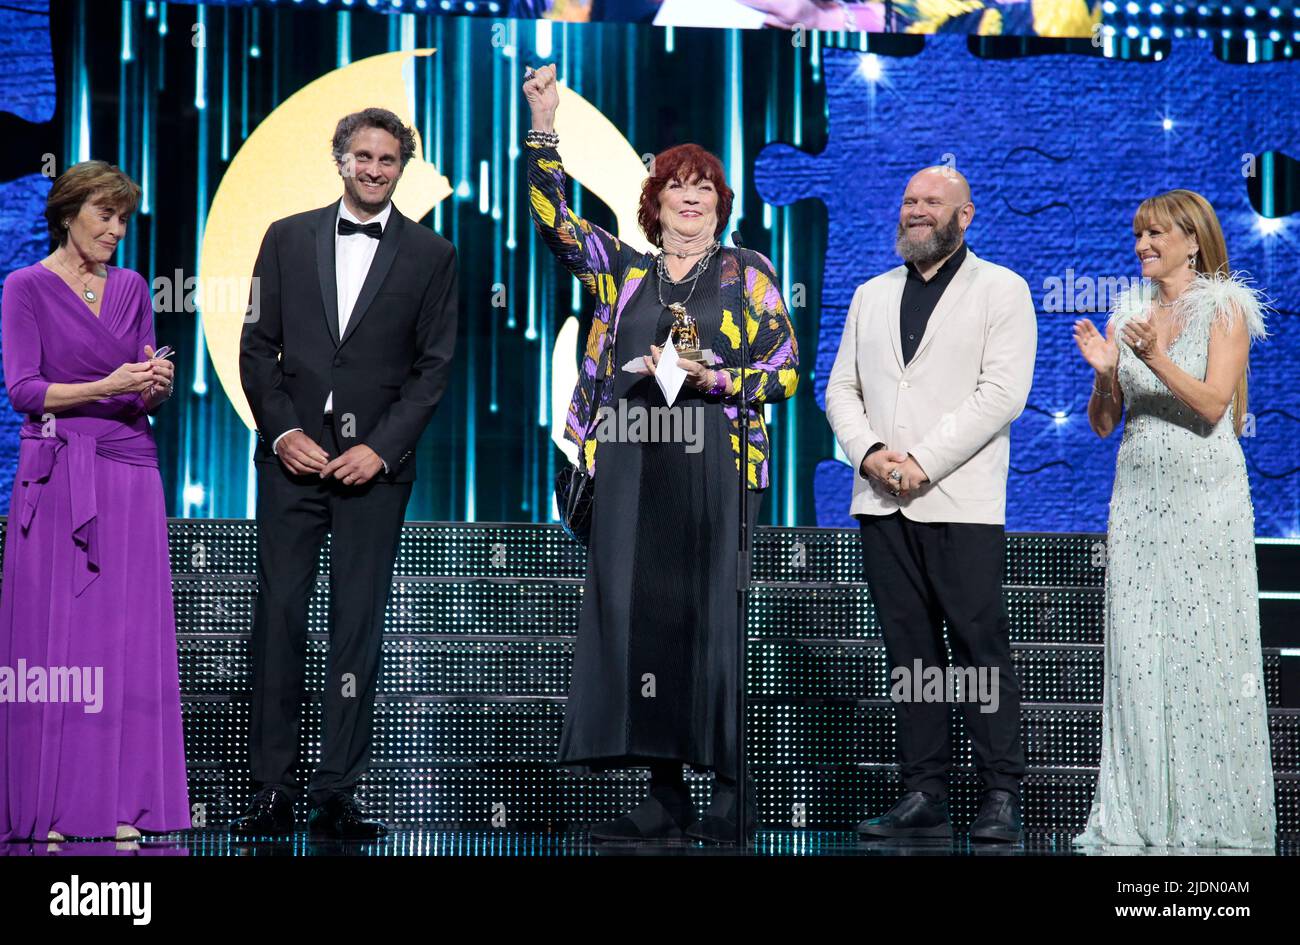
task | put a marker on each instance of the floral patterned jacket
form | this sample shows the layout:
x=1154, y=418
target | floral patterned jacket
x=612, y=271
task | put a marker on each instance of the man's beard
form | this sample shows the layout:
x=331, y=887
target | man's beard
x=941, y=243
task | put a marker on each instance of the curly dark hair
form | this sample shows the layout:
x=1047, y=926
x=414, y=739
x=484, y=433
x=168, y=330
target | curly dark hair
x=684, y=163
x=380, y=118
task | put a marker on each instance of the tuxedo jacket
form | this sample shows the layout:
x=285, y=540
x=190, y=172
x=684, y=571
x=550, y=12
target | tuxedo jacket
x=387, y=370
x=951, y=406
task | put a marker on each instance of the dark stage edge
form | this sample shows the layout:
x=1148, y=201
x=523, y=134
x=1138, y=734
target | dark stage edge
x=435, y=842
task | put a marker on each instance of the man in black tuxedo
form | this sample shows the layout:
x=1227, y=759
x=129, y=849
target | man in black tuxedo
x=343, y=360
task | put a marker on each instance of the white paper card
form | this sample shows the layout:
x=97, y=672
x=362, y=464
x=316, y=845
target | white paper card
x=637, y=366
x=719, y=13
x=669, y=373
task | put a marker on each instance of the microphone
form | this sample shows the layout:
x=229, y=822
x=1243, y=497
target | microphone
x=742, y=577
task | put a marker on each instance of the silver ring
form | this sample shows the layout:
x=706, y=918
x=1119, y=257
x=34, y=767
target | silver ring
x=896, y=476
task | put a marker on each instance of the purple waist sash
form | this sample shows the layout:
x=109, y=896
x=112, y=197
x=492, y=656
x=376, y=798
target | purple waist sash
x=35, y=466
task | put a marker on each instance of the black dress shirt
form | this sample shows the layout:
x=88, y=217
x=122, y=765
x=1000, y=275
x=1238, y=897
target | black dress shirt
x=920, y=298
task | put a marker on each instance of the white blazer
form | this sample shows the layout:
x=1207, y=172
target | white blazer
x=951, y=406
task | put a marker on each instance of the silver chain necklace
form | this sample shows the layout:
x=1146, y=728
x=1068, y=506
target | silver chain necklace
x=87, y=292
x=1164, y=304
x=661, y=267
x=684, y=327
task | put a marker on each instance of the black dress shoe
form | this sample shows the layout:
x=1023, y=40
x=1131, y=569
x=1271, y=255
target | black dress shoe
x=998, y=820
x=660, y=816
x=270, y=815
x=714, y=829
x=718, y=825
x=341, y=818
x=916, y=816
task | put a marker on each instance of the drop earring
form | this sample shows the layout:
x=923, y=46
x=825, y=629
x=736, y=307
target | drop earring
x=1191, y=262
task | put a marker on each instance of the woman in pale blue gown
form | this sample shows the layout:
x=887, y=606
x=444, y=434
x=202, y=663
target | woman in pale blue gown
x=1185, y=749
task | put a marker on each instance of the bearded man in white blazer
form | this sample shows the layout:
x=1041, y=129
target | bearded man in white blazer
x=936, y=361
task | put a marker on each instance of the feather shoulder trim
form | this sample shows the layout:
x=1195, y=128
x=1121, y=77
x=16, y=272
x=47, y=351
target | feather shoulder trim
x=1209, y=299
x=1222, y=299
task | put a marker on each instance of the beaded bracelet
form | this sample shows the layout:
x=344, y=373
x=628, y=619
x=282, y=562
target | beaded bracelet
x=544, y=139
x=721, y=383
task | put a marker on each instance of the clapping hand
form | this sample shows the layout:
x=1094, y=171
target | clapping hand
x=1143, y=338
x=1102, y=354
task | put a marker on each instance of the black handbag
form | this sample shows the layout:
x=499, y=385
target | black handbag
x=575, y=489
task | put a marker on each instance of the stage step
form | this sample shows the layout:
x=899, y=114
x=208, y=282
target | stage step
x=498, y=665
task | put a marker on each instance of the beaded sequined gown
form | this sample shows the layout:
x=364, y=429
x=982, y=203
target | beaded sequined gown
x=1185, y=748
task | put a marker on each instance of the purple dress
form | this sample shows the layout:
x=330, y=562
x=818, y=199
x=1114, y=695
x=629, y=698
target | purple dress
x=90, y=723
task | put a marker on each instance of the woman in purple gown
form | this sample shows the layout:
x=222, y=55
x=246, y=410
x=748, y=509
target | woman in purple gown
x=90, y=726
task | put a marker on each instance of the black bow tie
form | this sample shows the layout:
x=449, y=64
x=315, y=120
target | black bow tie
x=371, y=229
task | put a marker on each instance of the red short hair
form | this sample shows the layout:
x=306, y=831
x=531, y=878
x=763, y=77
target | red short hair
x=685, y=162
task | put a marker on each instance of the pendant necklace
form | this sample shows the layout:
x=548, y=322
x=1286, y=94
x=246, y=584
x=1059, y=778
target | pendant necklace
x=679, y=308
x=87, y=292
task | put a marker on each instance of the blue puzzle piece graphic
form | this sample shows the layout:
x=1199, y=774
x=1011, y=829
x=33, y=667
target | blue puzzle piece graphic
x=26, y=67
x=1059, y=151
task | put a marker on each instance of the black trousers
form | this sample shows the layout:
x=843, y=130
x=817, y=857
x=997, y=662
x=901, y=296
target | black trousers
x=919, y=574
x=294, y=514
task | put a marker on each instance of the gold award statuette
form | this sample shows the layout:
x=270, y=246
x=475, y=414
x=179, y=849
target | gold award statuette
x=684, y=334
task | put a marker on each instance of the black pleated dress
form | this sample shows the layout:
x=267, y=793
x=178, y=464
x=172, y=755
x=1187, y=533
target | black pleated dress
x=654, y=664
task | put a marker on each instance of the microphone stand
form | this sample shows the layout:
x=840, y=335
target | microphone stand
x=742, y=578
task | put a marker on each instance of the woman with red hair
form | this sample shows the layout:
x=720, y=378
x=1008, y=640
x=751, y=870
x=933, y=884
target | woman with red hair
x=654, y=666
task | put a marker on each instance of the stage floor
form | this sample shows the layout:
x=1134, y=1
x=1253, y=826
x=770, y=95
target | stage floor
x=490, y=843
